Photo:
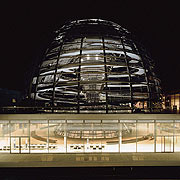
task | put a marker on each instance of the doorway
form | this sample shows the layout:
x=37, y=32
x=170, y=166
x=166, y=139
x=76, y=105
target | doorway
x=166, y=143
x=19, y=144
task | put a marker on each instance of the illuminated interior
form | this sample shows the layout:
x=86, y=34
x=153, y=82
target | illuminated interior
x=172, y=102
x=81, y=136
x=92, y=66
x=95, y=66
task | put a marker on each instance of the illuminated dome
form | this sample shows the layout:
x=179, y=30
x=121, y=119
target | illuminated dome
x=96, y=66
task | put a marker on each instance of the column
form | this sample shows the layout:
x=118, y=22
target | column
x=65, y=137
x=154, y=135
x=120, y=137
x=65, y=141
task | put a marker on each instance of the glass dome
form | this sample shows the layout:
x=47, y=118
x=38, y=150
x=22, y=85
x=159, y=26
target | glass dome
x=96, y=66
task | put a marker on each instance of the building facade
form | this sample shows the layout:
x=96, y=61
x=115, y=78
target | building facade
x=49, y=133
x=67, y=140
x=96, y=92
x=172, y=102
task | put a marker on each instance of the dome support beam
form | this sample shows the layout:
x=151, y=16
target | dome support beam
x=105, y=67
x=128, y=70
x=54, y=80
x=79, y=77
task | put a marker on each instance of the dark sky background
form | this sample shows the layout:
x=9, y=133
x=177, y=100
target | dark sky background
x=27, y=29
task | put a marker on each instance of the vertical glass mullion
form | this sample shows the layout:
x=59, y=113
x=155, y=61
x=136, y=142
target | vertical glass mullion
x=179, y=103
x=29, y=138
x=79, y=76
x=48, y=137
x=55, y=73
x=65, y=136
x=147, y=79
x=155, y=128
x=173, y=133
x=38, y=74
x=128, y=70
x=136, y=135
x=120, y=136
x=37, y=79
x=10, y=135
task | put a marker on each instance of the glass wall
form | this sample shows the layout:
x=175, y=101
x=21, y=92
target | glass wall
x=19, y=136
x=175, y=102
x=172, y=103
x=164, y=136
x=177, y=136
x=39, y=139
x=4, y=136
x=89, y=136
x=145, y=136
x=57, y=138
x=128, y=136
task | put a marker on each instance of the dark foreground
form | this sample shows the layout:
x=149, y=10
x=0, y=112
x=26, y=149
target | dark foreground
x=91, y=173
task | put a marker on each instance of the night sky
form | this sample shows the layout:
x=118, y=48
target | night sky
x=27, y=29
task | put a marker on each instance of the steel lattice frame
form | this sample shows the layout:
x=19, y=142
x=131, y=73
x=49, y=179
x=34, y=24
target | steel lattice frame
x=95, y=66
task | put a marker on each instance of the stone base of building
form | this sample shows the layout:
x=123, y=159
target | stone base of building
x=90, y=160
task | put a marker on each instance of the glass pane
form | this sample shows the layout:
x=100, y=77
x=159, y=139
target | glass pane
x=110, y=141
x=76, y=144
x=38, y=145
x=4, y=129
x=15, y=148
x=164, y=129
x=168, y=144
x=159, y=144
x=19, y=129
x=94, y=135
x=4, y=144
x=177, y=128
x=176, y=143
x=24, y=144
x=56, y=138
x=95, y=144
x=164, y=144
x=39, y=138
x=145, y=137
x=75, y=139
x=128, y=137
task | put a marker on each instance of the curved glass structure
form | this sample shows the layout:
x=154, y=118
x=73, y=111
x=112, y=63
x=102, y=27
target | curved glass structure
x=96, y=66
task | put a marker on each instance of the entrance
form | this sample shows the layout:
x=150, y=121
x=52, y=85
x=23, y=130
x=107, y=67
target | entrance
x=166, y=143
x=19, y=144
